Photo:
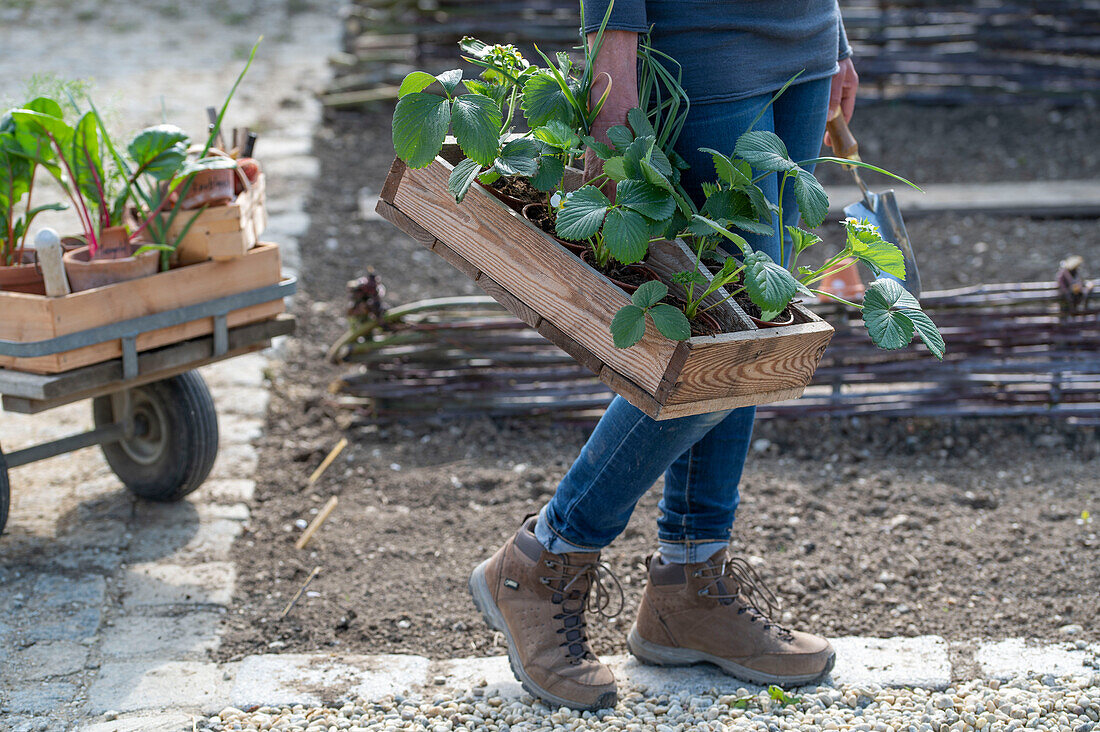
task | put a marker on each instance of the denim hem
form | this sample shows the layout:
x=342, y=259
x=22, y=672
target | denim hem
x=690, y=552
x=552, y=539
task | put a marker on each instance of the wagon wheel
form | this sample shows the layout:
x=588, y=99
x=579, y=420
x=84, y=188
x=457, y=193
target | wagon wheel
x=5, y=492
x=175, y=437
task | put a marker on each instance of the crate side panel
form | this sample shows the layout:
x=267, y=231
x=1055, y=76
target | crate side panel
x=759, y=362
x=534, y=268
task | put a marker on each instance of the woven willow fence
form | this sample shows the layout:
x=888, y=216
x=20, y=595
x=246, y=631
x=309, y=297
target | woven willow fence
x=1012, y=351
x=937, y=51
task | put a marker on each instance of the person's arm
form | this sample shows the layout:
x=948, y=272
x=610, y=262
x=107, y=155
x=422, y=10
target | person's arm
x=842, y=92
x=617, y=60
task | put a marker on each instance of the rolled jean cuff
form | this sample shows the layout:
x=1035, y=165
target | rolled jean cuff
x=691, y=552
x=552, y=541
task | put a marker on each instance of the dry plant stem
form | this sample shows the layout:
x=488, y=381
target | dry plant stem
x=316, y=523
x=327, y=461
x=297, y=595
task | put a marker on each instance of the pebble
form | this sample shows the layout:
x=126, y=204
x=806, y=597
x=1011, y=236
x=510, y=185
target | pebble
x=1046, y=703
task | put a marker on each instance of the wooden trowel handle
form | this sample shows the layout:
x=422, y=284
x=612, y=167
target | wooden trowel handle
x=841, y=138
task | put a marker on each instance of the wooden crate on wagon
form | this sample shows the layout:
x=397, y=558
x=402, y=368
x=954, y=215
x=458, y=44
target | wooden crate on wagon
x=32, y=318
x=223, y=232
x=572, y=305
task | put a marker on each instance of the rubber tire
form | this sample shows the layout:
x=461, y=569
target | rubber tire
x=5, y=493
x=189, y=422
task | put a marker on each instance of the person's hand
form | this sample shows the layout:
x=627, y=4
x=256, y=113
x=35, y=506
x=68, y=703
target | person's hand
x=842, y=93
x=616, y=64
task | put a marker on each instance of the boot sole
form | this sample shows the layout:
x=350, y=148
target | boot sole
x=658, y=655
x=483, y=600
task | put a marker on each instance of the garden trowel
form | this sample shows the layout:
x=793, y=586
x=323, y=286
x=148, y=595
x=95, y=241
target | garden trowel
x=881, y=209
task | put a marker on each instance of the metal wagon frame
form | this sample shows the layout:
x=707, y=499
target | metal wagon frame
x=154, y=416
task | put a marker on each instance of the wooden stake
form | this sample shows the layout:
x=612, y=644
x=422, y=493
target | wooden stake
x=316, y=524
x=327, y=461
x=297, y=595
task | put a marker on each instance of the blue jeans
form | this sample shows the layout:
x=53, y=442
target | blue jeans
x=701, y=456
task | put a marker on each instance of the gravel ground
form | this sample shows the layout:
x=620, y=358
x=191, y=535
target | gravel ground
x=1049, y=704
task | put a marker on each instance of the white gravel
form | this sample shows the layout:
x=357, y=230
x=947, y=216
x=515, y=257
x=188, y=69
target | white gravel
x=1044, y=703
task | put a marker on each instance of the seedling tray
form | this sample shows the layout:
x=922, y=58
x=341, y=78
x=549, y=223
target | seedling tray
x=571, y=304
x=46, y=335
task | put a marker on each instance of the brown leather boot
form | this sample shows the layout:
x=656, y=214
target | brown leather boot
x=538, y=600
x=718, y=611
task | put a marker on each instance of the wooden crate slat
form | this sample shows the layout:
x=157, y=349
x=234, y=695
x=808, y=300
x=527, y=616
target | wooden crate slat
x=52, y=317
x=532, y=267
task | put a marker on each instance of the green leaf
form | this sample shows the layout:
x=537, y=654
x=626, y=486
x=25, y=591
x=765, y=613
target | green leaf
x=582, y=214
x=628, y=326
x=693, y=277
x=801, y=239
x=764, y=151
x=660, y=162
x=866, y=244
x=640, y=123
x=557, y=133
x=649, y=294
x=476, y=120
x=654, y=176
x=928, y=332
x=551, y=170
x=462, y=177
x=760, y=205
x=723, y=166
x=159, y=151
x=86, y=161
x=603, y=152
x=417, y=81
x=645, y=198
x=544, y=100
x=615, y=168
x=518, y=157
x=769, y=286
x=671, y=322
x=621, y=137
x=719, y=229
x=626, y=235
x=420, y=123
x=450, y=79
x=813, y=203
x=726, y=204
x=892, y=315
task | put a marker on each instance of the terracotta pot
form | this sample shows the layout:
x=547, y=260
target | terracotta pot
x=24, y=276
x=710, y=320
x=574, y=246
x=513, y=203
x=210, y=188
x=113, y=243
x=779, y=322
x=85, y=273
x=630, y=289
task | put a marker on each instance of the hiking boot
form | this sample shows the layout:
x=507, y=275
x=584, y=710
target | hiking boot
x=718, y=611
x=538, y=601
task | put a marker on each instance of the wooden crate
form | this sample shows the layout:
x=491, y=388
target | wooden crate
x=29, y=318
x=223, y=232
x=572, y=305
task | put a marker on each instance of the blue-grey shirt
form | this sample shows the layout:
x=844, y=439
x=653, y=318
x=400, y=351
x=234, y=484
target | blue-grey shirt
x=733, y=49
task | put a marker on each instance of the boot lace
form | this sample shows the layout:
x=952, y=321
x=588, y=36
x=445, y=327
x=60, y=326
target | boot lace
x=754, y=597
x=581, y=588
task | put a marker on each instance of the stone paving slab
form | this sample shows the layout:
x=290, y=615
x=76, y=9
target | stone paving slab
x=156, y=585
x=1016, y=657
x=313, y=679
x=136, y=685
x=170, y=722
x=921, y=662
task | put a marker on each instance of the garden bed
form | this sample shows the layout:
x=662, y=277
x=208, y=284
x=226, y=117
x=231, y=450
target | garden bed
x=420, y=506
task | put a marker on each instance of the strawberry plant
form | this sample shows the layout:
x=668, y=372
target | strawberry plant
x=649, y=203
